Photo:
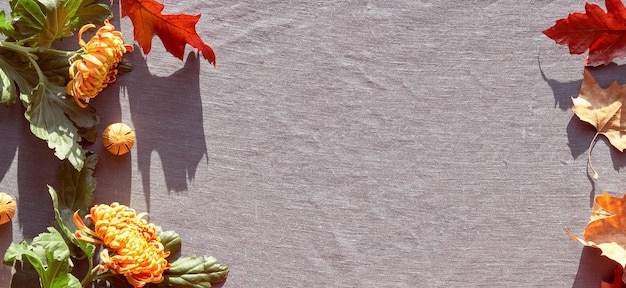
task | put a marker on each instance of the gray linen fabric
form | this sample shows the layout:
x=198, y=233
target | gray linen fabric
x=351, y=143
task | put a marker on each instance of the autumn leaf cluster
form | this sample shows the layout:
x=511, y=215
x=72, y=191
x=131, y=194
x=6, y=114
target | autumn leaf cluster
x=36, y=74
x=603, y=35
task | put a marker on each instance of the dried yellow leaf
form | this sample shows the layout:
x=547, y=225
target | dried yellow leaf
x=607, y=228
x=602, y=109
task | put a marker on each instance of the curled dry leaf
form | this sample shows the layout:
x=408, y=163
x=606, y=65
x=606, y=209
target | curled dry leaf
x=602, y=109
x=607, y=228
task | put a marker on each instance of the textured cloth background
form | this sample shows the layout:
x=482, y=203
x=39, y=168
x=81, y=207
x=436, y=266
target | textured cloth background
x=351, y=143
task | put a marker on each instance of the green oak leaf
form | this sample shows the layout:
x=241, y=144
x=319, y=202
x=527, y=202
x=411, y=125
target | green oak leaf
x=194, y=272
x=46, y=111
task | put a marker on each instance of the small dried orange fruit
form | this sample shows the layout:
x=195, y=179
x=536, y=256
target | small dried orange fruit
x=118, y=138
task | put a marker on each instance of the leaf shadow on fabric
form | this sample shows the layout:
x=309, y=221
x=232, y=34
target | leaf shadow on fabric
x=6, y=230
x=619, y=158
x=37, y=167
x=593, y=268
x=563, y=91
x=10, y=138
x=8, y=150
x=579, y=135
x=167, y=117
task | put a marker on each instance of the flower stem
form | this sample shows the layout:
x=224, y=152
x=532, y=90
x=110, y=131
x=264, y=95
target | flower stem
x=89, y=277
x=28, y=50
x=28, y=53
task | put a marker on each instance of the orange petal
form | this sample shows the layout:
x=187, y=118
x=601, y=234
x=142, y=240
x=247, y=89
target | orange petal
x=93, y=59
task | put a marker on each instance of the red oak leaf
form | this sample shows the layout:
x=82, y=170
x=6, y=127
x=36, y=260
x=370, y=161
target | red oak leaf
x=603, y=34
x=175, y=30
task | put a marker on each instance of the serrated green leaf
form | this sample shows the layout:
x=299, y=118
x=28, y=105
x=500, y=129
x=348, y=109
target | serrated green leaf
x=170, y=240
x=7, y=88
x=50, y=4
x=56, y=274
x=58, y=19
x=41, y=22
x=65, y=221
x=54, y=66
x=22, y=252
x=76, y=187
x=65, y=280
x=54, y=117
x=81, y=117
x=88, y=134
x=46, y=113
x=195, y=272
x=16, y=76
x=48, y=122
x=90, y=12
x=73, y=282
x=49, y=255
x=29, y=11
x=53, y=241
x=6, y=27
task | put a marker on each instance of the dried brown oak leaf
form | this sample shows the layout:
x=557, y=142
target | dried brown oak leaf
x=602, y=109
x=607, y=228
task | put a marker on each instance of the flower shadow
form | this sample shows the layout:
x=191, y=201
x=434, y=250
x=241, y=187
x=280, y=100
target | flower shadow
x=37, y=167
x=167, y=116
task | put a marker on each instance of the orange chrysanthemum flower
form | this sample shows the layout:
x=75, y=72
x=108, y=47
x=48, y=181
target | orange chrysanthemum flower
x=95, y=65
x=132, y=247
